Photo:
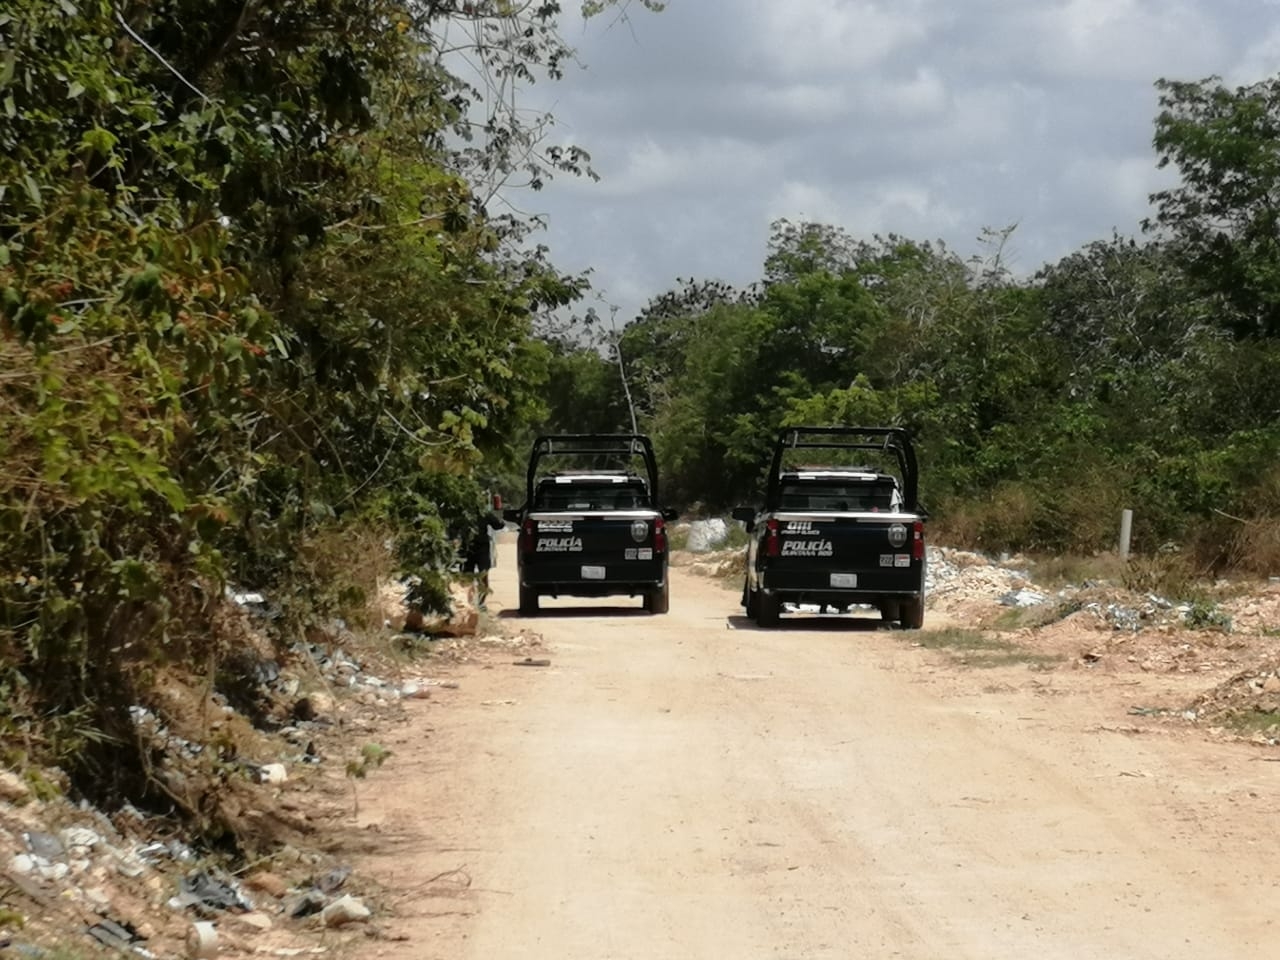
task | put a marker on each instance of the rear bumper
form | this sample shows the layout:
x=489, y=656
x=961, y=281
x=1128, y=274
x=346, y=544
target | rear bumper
x=629, y=578
x=591, y=588
x=801, y=586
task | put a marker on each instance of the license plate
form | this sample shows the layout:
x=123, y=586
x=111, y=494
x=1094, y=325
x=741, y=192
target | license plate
x=844, y=580
x=592, y=573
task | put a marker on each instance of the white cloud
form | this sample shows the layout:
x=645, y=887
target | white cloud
x=928, y=118
x=646, y=167
x=1126, y=39
x=810, y=37
x=921, y=96
x=1259, y=61
x=1121, y=184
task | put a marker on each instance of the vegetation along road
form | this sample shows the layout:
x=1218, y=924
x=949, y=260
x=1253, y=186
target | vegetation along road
x=690, y=786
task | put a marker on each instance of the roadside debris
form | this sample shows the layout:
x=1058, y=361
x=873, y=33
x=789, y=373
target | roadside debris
x=343, y=911
x=706, y=535
x=1024, y=598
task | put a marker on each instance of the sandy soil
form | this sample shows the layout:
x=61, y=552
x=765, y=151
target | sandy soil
x=687, y=786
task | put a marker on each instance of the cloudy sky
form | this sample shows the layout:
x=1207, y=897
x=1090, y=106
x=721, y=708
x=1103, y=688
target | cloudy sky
x=927, y=118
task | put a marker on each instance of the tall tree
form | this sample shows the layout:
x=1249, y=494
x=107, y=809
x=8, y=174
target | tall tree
x=1224, y=216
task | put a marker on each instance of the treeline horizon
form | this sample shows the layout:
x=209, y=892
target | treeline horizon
x=1135, y=372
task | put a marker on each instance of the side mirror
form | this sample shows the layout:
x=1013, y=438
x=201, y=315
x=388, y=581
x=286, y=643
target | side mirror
x=744, y=514
x=512, y=514
x=670, y=514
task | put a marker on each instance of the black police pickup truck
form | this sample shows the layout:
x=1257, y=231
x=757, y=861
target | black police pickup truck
x=835, y=536
x=594, y=530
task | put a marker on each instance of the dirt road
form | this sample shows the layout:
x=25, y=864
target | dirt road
x=686, y=786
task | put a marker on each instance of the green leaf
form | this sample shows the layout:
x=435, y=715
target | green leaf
x=33, y=190
x=98, y=140
x=74, y=89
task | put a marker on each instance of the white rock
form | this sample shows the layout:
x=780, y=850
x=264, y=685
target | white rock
x=414, y=691
x=273, y=773
x=344, y=910
x=54, y=871
x=23, y=865
x=73, y=837
x=706, y=535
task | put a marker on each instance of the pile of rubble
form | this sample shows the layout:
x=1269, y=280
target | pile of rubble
x=110, y=879
x=718, y=564
x=126, y=883
x=1248, y=702
x=951, y=572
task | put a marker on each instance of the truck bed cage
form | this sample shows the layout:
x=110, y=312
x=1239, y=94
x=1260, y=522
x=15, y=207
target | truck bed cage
x=895, y=441
x=598, y=446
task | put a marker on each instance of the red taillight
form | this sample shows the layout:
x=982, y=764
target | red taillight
x=772, y=542
x=526, y=537
x=659, y=536
x=917, y=541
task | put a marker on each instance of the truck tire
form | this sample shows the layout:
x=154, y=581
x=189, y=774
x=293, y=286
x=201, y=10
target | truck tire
x=913, y=613
x=768, y=609
x=750, y=600
x=658, y=600
x=528, y=601
x=890, y=611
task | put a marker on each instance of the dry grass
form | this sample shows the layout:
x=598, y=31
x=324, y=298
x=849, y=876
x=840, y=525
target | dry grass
x=1062, y=570
x=1256, y=547
x=355, y=560
x=974, y=648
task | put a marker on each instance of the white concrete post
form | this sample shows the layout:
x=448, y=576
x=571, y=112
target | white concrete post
x=1126, y=531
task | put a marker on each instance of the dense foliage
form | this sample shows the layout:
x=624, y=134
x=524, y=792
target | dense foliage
x=255, y=315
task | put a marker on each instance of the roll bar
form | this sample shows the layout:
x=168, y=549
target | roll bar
x=882, y=440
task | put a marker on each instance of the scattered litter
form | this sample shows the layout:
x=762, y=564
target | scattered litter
x=45, y=846
x=202, y=940
x=204, y=890
x=332, y=881
x=1023, y=598
x=271, y=773
x=705, y=535
x=306, y=904
x=25, y=949
x=344, y=910
x=531, y=662
x=497, y=703
x=118, y=936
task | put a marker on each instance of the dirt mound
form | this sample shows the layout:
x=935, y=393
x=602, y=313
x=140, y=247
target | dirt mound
x=730, y=564
x=1248, y=704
